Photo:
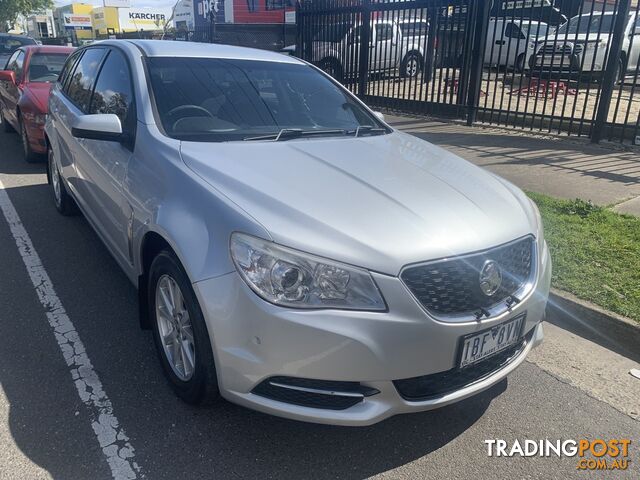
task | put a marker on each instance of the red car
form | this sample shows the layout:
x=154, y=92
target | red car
x=24, y=93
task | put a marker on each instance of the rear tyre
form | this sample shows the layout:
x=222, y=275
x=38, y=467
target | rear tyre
x=521, y=63
x=63, y=201
x=29, y=155
x=411, y=65
x=6, y=126
x=180, y=332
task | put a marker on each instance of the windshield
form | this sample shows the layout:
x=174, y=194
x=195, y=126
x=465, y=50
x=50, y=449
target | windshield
x=217, y=100
x=583, y=24
x=9, y=44
x=45, y=67
x=534, y=30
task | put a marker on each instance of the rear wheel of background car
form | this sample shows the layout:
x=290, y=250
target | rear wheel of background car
x=180, y=332
x=520, y=63
x=620, y=71
x=332, y=67
x=63, y=201
x=6, y=126
x=411, y=65
x=29, y=155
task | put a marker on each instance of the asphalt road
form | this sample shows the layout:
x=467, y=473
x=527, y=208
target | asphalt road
x=46, y=428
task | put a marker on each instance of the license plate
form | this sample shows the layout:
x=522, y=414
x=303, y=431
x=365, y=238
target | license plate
x=478, y=346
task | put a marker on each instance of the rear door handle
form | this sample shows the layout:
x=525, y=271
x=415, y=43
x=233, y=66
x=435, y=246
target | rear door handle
x=500, y=42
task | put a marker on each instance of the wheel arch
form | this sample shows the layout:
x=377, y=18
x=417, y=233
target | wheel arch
x=151, y=245
x=47, y=146
x=415, y=51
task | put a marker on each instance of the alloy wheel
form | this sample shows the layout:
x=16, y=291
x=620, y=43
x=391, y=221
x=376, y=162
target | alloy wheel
x=55, y=179
x=175, y=328
x=412, y=67
x=25, y=140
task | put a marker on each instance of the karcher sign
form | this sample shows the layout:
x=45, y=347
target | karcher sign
x=143, y=18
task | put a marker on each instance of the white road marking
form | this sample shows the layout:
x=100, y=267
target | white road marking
x=111, y=436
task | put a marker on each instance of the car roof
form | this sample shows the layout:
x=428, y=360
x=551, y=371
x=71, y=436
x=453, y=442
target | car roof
x=47, y=49
x=13, y=35
x=171, y=48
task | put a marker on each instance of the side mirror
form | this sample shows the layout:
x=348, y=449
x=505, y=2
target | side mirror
x=102, y=126
x=8, y=76
x=379, y=115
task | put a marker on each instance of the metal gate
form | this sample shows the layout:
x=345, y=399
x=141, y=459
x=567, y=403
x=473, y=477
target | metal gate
x=563, y=66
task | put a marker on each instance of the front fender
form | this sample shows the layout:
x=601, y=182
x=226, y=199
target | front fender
x=170, y=200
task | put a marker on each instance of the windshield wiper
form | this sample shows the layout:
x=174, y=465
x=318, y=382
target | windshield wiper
x=368, y=129
x=290, y=133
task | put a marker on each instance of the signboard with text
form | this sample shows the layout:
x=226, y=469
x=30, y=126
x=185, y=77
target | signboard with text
x=117, y=3
x=74, y=20
x=136, y=19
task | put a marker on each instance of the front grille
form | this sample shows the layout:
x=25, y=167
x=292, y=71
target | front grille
x=325, y=394
x=558, y=48
x=438, y=384
x=452, y=286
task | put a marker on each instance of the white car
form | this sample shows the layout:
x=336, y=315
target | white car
x=582, y=46
x=395, y=45
x=511, y=43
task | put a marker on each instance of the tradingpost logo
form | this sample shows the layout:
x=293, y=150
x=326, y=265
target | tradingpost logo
x=597, y=454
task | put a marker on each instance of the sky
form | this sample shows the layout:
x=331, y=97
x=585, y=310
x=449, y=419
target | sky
x=134, y=3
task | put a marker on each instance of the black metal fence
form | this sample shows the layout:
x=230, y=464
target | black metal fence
x=266, y=36
x=564, y=66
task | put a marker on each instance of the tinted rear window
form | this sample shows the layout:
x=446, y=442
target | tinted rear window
x=45, y=67
x=9, y=44
x=81, y=83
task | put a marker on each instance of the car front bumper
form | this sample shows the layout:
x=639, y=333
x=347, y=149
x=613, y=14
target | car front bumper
x=253, y=340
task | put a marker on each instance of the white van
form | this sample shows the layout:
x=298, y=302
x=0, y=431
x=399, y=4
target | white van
x=511, y=43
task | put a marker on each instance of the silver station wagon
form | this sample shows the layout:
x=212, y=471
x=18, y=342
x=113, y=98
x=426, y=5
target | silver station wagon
x=292, y=252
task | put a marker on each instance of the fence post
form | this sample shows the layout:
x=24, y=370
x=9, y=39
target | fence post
x=299, y=27
x=481, y=21
x=365, y=36
x=609, y=79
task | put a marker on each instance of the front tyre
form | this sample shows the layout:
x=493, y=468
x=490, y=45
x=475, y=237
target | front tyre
x=63, y=201
x=411, y=65
x=29, y=155
x=180, y=332
x=6, y=126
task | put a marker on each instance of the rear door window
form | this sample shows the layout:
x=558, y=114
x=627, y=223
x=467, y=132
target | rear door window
x=67, y=71
x=113, y=92
x=81, y=83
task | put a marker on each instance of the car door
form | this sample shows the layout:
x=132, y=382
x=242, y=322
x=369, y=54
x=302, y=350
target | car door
x=103, y=164
x=634, y=47
x=4, y=86
x=65, y=110
x=515, y=44
x=60, y=114
x=495, y=42
x=382, y=46
x=11, y=91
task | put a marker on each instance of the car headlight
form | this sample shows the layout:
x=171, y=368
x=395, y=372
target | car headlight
x=37, y=118
x=540, y=226
x=291, y=278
